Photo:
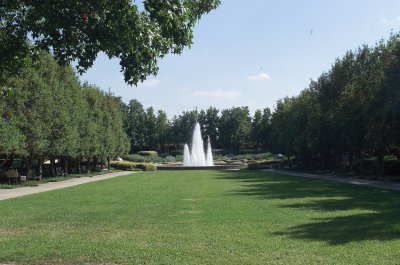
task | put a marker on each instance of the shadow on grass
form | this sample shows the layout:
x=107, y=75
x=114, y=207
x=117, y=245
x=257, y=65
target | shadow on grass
x=378, y=216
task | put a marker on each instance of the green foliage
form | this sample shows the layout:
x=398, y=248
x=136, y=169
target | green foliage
x=132, y=166
x=170, y=159
x=135, y=158
x=148, y=153
x=79, y=30
x=349, y=111
x=179, y=158
x=50, y=115
x=264, y=164
x=235, y=127
x=261, y=156
x=135, y=124
x=148, y=158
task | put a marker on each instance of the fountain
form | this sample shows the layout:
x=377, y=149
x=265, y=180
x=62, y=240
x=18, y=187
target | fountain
x=195, y=158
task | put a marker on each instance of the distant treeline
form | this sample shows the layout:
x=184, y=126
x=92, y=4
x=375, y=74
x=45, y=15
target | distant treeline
x=343, y=120
x=46, y=114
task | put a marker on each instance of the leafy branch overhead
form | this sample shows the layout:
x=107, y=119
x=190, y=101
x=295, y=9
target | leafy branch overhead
x=137, y=34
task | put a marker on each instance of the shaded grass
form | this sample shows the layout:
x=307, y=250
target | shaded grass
x=203, y=217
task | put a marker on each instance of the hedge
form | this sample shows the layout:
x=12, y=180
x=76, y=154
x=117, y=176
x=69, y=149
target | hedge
x=132, y=166
x=264, y=164
x=148, y=153
x=147, y=159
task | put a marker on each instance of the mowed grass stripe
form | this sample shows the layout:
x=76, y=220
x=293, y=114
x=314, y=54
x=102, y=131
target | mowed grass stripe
x=203, y=217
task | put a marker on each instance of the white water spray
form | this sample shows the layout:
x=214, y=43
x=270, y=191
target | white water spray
x=196, y=156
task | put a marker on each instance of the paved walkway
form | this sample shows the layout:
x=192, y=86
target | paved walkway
x=17, y=192
x=390, y=185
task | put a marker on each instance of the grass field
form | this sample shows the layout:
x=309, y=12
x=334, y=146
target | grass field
x=203, y=217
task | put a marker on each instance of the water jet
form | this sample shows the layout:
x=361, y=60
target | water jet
x=195, y=158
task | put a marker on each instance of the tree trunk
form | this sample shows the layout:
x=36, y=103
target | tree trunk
x=28, y=163
x=53, y=173
x=41, y=167
x=108, y=163
x=65, y=167
x=351, y=161
x=289, y=162
x=79, y=166
x=89, y=165
x=94, y=164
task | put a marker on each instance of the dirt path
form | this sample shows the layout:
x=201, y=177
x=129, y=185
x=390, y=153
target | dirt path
x=390, y=185
x=17, y=192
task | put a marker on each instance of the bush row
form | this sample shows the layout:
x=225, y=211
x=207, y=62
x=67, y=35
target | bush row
x=148, y=153
x=148, y=158
x=263, y=164
x=132, y=166
x=252, y=157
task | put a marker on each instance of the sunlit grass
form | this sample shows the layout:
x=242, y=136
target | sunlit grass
x=203, y=217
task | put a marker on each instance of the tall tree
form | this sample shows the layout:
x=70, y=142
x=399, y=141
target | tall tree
x=162, y=130
x=136, y=125
x=150, y=134
x=235, y=127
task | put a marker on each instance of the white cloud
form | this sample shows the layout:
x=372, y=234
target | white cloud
x=391, y=21
x=151, y=82
x=259, y=77
x=217, y=94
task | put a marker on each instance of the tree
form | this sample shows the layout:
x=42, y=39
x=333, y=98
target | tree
x=182, y=127
x=113, y=136
x=135, y=125
x=260, y=127
x=209, y=120
x=11, y=136
x=138, y=35
x=150, y=129
x=162, y=129
x=235, y=127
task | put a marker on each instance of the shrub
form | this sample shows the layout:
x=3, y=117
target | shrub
x=132, y=166
x=148, y=153
x=263, y=164
x=262, y=156
x=135, y=158
x=148, y=158
x=169, y=159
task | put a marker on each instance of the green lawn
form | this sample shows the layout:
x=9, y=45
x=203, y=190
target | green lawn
x=203, y=217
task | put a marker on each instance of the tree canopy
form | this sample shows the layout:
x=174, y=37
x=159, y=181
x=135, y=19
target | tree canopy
x=137, y=34
x=49, y=115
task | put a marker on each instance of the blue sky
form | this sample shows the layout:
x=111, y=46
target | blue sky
x=254, y=52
